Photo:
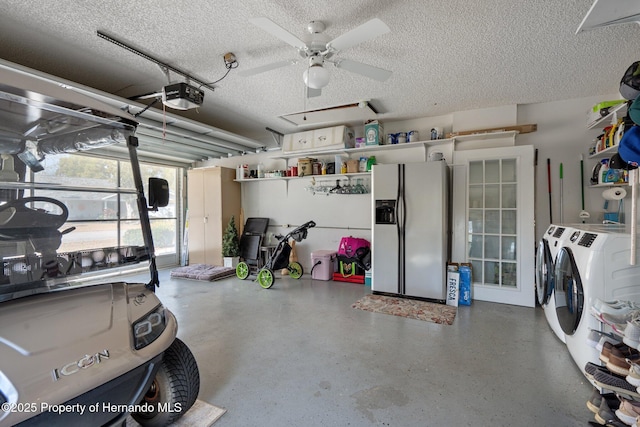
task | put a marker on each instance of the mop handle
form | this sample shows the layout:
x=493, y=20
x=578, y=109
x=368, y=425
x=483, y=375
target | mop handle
x=561, y=195
x=549, y=185
x=582, y=179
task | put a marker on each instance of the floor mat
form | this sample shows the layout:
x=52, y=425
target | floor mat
x=405, y=307
x=203, y=272
x=200, y=414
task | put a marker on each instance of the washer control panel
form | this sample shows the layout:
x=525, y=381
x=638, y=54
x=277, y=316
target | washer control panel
x=587, y=240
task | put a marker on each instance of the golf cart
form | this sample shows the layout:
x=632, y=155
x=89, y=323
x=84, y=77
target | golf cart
x=77, y=345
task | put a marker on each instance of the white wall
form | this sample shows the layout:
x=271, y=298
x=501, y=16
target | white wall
x=561, y=136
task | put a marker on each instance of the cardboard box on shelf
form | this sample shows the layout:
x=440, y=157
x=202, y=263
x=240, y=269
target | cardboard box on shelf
x=373, y=133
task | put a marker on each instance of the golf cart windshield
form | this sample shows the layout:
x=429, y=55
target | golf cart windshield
x=60, y=212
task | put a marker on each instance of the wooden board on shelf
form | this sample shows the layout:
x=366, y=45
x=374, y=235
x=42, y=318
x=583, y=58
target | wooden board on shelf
x=519, y=128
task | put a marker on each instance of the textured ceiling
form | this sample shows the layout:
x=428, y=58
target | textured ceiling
x=446, y=55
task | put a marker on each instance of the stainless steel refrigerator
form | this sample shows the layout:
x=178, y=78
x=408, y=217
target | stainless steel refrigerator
x=410, y=229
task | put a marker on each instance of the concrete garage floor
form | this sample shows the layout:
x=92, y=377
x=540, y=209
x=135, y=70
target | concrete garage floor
x=298, y=355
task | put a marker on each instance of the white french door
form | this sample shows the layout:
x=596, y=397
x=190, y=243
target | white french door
x=497, y=210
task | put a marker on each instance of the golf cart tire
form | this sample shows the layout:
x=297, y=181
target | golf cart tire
x=175, y=387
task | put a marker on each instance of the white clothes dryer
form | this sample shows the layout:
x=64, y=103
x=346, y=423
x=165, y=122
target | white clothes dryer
x=593, y=264
x=548, y=248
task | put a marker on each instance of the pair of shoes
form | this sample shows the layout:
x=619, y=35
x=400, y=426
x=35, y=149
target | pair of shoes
x=594, y=402
x=590, y=370
x=606, y=411
x=634, y=374
x=608, y=347
x=612, y=307
x=620, y=358
x=615, y=383
x=618, y=322
x=631, y=334
x=628, y=411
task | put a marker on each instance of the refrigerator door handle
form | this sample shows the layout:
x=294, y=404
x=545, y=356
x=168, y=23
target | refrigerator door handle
x=399, y=229
x=401, y=208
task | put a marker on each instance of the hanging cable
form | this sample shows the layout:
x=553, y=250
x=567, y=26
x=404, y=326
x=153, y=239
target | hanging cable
x=230, y=63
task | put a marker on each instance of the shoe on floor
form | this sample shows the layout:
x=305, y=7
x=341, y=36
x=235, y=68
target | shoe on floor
x=628, y=411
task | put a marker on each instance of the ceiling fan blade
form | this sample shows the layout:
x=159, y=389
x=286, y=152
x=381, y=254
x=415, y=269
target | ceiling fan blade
x=274, y=29
x=364, y=32
x=311, y=93
x=366, y=70
x=265, y=68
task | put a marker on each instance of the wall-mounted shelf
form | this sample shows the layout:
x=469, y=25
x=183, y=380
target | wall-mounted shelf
x=425, y=145
x=607, y=152
x=611, y=117
x=368, y=148
x=316, y=177
x=610, y=184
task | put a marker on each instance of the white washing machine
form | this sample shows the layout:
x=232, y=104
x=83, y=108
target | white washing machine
x=548, y=248
x=594, y=263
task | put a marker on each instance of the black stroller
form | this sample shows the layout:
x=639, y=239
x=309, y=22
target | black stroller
x=280, y=257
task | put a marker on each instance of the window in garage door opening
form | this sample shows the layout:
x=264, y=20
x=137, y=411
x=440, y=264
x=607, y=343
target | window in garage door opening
x=102, y=218
x=492, y=231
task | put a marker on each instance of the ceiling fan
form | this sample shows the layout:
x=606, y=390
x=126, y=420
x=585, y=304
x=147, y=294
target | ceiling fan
x=317, y=49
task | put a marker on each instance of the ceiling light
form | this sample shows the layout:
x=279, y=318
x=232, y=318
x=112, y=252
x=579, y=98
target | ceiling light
x=316, y=77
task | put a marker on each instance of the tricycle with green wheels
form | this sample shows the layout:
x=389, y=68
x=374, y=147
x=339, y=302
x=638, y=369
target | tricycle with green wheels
x=279, y=258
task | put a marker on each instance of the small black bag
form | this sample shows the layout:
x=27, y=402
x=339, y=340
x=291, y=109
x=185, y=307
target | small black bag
x=363, y=256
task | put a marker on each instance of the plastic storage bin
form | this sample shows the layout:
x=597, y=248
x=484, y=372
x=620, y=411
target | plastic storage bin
x=325, y=264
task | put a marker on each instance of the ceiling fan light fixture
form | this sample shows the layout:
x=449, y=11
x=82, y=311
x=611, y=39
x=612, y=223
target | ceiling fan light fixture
x=316, y=77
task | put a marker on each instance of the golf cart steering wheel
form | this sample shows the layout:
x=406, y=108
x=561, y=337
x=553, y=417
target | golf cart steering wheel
x=16, y=215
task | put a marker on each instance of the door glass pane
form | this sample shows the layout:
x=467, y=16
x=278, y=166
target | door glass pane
x=491, y=273
x=509, y=277
x=492, y=247
x=475, y=197
x=492, y=196
x=509, y=170
x=476, y=271
x=475, y=246
x=492, y=221
x=492, y=171
x=509, y=222
x=475, y=221
x=509, y=195
x=476, y=175
x=509, y=248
